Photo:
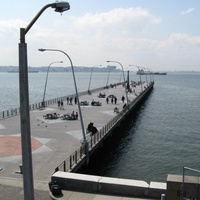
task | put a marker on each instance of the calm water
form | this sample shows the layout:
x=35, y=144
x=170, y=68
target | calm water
x=59, y=84
x=162, y=138
x=165, y=135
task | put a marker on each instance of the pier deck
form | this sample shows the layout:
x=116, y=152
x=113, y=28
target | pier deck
x=54, y=140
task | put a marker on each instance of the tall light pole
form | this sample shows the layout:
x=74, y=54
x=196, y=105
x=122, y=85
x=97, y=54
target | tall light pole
x=124, y=79
x=145, y=71
x=24, y=102
x=77, y=95
x=140, y=76
x=91, y=78
x=150, y=74
x=45, y=87
x=108, y=78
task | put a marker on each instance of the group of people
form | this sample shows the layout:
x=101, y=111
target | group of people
x=74, y=115
x=113, y=99
x=70, y=99
x=102, y=95
x=60, y=105
x=69, y=102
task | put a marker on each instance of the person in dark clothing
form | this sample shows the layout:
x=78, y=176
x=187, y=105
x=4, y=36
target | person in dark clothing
x=75, y=100
x=115, y=100
x=89, y=128
x=61, y=105
x=94, y=130
x=123, y=98
x=58, y=103
x=107, y=100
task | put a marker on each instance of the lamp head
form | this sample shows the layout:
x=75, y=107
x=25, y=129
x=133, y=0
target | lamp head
x=107, y=61
x=42, y=50
x=61, y=6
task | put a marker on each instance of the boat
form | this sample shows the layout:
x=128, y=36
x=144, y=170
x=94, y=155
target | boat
x=17, y=71
x=142, y=72
x=159, y=73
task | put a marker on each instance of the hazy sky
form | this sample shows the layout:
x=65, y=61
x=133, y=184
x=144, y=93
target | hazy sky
x=158, y=34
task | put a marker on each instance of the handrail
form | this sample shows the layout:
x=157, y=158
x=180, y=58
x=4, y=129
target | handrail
x=16, y=111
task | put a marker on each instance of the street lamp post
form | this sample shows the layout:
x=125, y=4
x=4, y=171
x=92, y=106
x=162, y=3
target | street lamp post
x=124, y=79
x=108, y=78
x=24, y=102
x=145, y=71
x=149, y=74
x=77, y=95
x=91, y=78
x=45, y=87
x=140, y=76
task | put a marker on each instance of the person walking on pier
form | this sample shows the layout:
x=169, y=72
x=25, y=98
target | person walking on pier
x=107, y=100
x=76, y=115
x=59, y=103
x=70, y=100
x=115, y=100
x=75, y=100
x=123, y=98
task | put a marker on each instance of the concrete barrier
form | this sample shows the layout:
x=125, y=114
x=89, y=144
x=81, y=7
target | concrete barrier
x=77, y=182
x=125, y=187
x=157, y=189
x=107, y=185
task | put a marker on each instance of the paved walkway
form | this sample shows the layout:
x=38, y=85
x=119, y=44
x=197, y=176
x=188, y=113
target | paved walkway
x=52, y=140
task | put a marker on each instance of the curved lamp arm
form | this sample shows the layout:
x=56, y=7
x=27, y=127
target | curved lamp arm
x=79, y=108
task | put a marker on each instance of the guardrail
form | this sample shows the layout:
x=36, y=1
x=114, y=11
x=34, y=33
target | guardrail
x=16, y=111
x=79, y=155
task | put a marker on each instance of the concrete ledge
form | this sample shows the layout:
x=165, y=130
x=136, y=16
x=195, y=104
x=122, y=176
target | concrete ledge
x=107, y=185
x=77, y=182
x=156, y=189
x=127, y=187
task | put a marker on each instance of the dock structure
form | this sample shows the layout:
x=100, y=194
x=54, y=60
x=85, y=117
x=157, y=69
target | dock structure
x=57, y=141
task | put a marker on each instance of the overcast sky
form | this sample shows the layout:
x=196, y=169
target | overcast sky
x=160, y=35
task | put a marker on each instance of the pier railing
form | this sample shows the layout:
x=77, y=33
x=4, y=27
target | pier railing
x=79, y=155
x=36, y=106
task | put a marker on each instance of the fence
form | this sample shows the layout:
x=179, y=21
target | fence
x=16, y=111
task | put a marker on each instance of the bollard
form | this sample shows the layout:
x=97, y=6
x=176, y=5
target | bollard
x=163, y=197
x=20, y=169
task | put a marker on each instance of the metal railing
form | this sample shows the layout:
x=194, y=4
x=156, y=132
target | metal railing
x=35, y=106
x=183, y=189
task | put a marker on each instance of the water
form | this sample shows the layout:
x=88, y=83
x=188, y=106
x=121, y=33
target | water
x=165, y=135
x=161, y=138
x=58, y=84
